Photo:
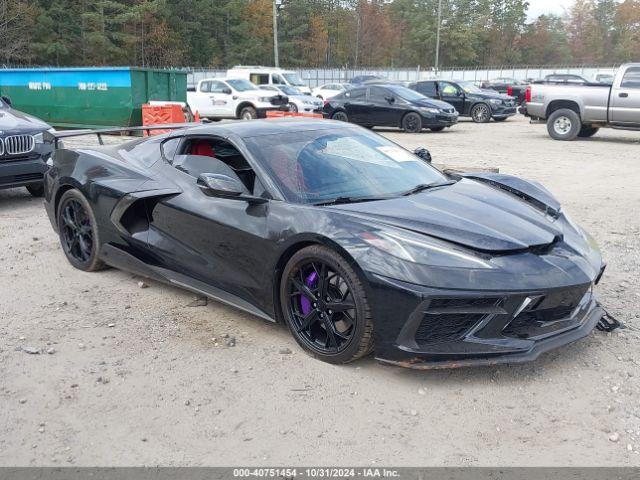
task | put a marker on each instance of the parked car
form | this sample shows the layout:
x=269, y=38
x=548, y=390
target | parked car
x=353, y=242
x=218, y=98
x=508, y=86
x=606, y=78
x=329, y=90
x=390, y=106
x=573, y=111
x=23, y=151
x=298, y=102
x=269, y=76
x=564, y=78
x=468, y=99
x=360, y=79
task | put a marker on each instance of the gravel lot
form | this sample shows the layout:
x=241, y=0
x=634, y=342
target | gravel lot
x=136, y=376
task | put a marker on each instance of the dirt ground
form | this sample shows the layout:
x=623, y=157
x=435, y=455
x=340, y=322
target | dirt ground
x=136, y=376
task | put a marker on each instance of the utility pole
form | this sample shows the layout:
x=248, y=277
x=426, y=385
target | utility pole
x=275, y=32
x=438, y=34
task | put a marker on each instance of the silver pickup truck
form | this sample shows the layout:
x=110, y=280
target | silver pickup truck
x=580, y=110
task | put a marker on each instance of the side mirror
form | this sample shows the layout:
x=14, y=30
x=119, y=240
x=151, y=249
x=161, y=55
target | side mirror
x=423, y=153
x=227, y=91
x=390, y=99
x=6, y=100
x=219, y=185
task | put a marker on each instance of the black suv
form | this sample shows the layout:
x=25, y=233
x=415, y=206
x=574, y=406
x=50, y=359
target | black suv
x=468, y=99
x=23, y=151
x=390, y=105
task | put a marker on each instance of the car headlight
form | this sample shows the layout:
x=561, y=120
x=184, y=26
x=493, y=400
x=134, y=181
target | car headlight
x=430, y=110
x=308, y=102
x=39, y=137
x=424, y=250
x=495, y=101
x=264, y=99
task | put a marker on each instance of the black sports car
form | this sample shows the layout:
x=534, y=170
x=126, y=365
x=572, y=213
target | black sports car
x=390, y=105
x=468, y=99
x=353, y=242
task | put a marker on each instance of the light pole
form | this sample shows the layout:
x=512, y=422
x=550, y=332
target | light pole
x=438, y=34
x=276, y=5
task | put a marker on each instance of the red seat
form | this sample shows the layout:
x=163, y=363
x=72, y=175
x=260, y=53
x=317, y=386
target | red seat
x=202, y=148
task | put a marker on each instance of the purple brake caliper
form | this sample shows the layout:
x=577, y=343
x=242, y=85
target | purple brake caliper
x=305, y=302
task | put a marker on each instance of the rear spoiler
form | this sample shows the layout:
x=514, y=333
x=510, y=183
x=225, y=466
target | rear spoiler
x=55, y=137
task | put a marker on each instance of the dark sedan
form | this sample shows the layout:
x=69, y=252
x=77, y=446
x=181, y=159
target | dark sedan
x=390, y=105
x=468, y=99
x=23, y=152
x=354, y=243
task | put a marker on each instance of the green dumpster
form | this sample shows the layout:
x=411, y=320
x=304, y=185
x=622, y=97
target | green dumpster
x=91, y=97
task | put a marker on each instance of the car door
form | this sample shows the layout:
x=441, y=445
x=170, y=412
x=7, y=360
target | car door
x=219, y=242
x=428, y=89
x=384, y=109
x=199, y=101
x=356, y=105
x=452, y=94
x=625, y=99
x=223, y=101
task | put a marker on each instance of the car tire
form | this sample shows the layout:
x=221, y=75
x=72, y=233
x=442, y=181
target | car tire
x=412, y=123
x=500, y=119
x=436, y=129
x=340, y=116
x=293, y=108
x=248, y=113
x=78, y=232
x=564, y=124
x=351, y=328
x=36, y=190
x=586, y=132
x=481, y=113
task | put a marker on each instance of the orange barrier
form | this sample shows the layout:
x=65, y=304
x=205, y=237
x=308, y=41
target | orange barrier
x=281, y=114
x=159, y=114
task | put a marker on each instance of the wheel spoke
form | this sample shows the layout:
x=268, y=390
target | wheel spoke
x=340, y=306
x=308, y=321
x=304, y=290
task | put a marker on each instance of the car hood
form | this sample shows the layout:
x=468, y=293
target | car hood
x=13, y=122
x=432, y=103
x=467, y=213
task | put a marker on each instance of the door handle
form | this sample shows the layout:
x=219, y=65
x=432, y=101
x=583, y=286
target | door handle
x=623, y=94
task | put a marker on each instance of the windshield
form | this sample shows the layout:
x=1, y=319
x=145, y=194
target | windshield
x=287, y=90
x=321, y=165
x=241, y=85
x=293, y=79
x=406, y=93
x=469, y=87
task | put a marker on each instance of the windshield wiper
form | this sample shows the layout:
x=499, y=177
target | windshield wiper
x=425, y=186
x=342, y=200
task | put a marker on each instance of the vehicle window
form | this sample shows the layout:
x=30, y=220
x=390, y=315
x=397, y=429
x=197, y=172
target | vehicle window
x=469, y=87
x=217, y=87
x=631, y=78
x=277, y=79
x=259, y=78
x=319, y=165
x=198, y=155
x=406, y=93
x=287, y=90
x=241, y=85
x=205, y=87
x=379, y=94
x=356, y=93
x=169, y=148
x=294, y=79
x=447, y=89
x=427, y=88
x=268, y=87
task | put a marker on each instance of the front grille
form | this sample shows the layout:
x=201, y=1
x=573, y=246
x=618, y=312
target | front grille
x=438, y=303
x=18, y=144
x=279, y=100
x=445, y=327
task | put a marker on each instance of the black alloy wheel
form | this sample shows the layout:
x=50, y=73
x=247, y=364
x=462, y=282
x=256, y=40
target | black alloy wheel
x=78, y=232
x=325, y=306
x=481, y=113
x=340, y=116
x=412, y=123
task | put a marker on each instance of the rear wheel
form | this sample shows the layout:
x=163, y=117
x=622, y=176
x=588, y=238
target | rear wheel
x=481, y=113
x=412, y=123
x=436, y=129
x=248, y=113
x=325, y=305
x=588, y=131
x=78, y=232
x=340, y=116
x=564, y=124
x=36, y=190
x=293, y=108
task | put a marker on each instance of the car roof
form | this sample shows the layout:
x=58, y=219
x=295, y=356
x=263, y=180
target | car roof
x=255, y=128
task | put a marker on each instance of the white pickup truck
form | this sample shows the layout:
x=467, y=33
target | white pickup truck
x=572, y=111
x=218, y=98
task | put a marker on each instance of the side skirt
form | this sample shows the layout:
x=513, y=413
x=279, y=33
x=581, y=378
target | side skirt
x=122, y=260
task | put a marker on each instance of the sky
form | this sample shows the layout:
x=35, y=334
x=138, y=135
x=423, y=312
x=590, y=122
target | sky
x=539, y=7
